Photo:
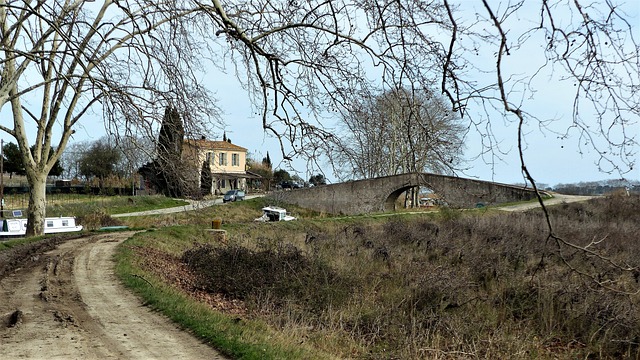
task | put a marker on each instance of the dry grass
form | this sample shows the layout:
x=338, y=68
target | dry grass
x=452, y=285
x=485, y=285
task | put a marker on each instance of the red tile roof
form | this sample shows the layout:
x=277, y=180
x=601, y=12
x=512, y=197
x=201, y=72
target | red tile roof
x=213, y=145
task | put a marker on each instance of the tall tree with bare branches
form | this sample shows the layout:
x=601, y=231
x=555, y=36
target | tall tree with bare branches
x=307, y=62
x=63, y=61
x=398, y=132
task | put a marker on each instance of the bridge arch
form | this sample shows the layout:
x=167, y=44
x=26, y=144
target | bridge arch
x=380, y=194
x=390, y=201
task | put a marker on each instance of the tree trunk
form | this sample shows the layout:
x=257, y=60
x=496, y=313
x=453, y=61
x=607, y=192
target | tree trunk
x=37, y=204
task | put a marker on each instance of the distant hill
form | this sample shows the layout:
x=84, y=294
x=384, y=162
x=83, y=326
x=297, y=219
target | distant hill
x=599, y=187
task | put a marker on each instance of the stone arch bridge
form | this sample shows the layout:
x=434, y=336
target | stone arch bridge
x=380, y=194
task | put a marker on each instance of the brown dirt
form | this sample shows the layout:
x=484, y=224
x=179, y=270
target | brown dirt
x=174, y=272
x=66, y=303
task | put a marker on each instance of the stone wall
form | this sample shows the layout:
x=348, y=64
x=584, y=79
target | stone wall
x=379, y=194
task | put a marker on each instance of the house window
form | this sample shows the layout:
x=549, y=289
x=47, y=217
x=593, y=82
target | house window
x=235, y=159
x=222, y=159
x=210, y=157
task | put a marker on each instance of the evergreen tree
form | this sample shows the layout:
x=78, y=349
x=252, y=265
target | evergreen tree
x=12, y=162
x=318, y=179
x=206, y=180
x=100, y=161
x=267, y=161
x=171, y=137
x=281, y=175
x=12, y=159
x=165, y=172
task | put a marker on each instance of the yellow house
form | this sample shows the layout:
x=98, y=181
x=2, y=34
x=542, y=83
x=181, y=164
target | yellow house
x=226, y=161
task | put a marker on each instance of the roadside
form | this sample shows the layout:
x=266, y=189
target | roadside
x=193, y=205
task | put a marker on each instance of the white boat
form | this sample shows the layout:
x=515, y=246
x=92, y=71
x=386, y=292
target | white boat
x=274, y=213
x=18, y=227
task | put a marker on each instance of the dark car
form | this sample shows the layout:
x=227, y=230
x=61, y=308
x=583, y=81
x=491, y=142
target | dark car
x=285, y=185
x=289, y=185
x=233, y=195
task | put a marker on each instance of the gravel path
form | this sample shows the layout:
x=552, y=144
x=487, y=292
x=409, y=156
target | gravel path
x=193, y=205
x=72, y=306
x=555, y=200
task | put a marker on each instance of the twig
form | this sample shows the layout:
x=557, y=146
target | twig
x=147, y=281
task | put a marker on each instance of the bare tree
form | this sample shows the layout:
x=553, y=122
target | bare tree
x=321, y=57
x=62, y=59
x=72, y=156
x=100, y=161
x=398, y=132
x=136, y=151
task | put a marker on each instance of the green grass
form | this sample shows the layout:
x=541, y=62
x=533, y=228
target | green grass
x=111, y=204
x=8, y=244
x=84, y=206
x=240, y=212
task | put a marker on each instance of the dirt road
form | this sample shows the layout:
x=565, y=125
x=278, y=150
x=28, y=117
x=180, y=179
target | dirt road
x=555, y=200
x=68, y=304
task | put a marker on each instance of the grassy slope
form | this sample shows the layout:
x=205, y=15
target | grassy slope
x=233, y=336
x=81, y=205
x=433, y=285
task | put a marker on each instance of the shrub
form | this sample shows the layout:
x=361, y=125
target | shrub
x=282, y=275
x=96, y=219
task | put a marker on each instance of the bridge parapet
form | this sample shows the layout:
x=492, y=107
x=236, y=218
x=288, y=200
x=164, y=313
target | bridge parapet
x=380, y=194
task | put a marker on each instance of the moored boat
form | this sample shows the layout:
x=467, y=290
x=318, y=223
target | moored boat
x=18, y=227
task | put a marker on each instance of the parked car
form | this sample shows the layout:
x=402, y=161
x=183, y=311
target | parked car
x=289, y=185
x=285, y=185
x=233, y=195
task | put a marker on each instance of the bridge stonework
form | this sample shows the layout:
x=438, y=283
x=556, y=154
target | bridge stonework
x=380, y=194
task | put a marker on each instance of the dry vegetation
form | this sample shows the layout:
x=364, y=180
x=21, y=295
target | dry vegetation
x=453, y=285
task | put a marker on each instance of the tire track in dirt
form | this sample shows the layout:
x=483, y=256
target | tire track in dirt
x=73, y=307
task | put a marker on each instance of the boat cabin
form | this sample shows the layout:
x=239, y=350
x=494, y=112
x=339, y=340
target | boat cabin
x=18, y=227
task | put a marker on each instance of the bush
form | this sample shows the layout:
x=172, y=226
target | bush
x=282, y=275
x=96, y=219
